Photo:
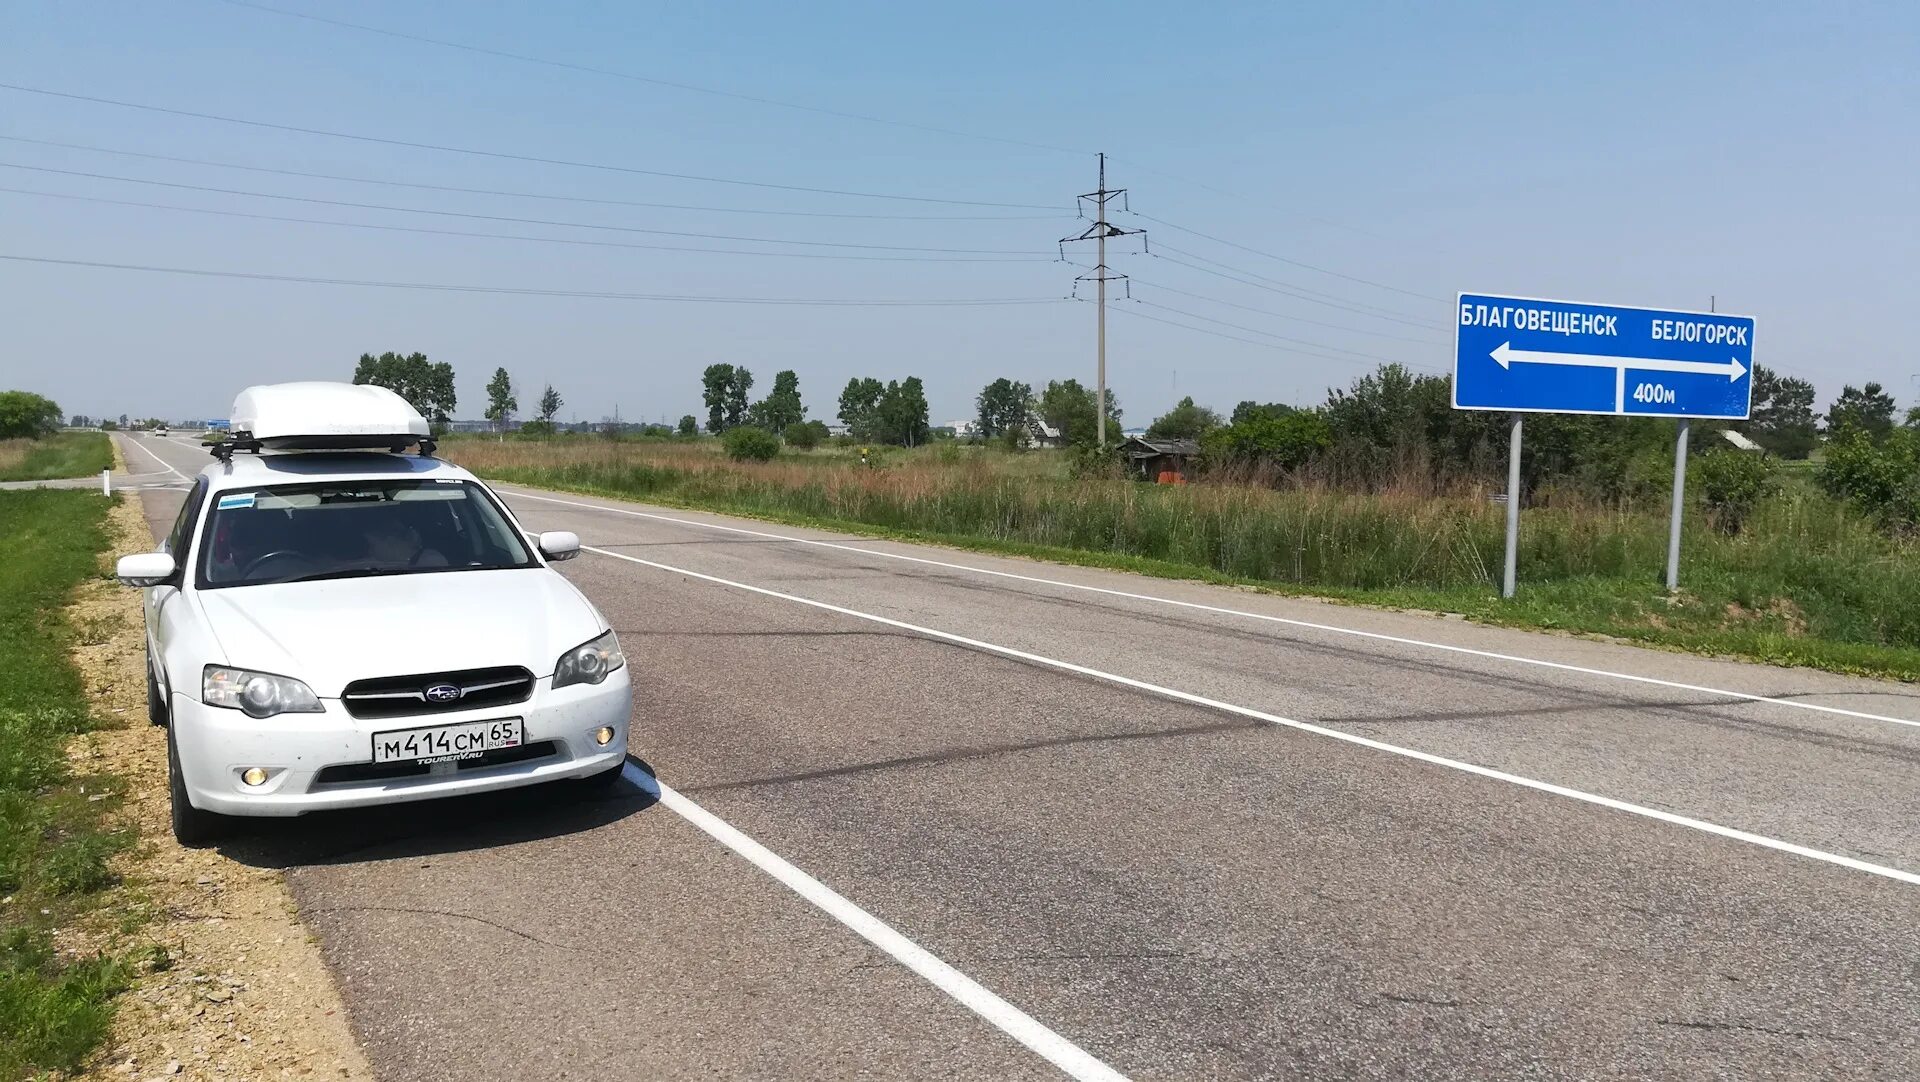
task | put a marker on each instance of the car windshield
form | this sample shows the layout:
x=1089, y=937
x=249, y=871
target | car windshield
x=351, y=529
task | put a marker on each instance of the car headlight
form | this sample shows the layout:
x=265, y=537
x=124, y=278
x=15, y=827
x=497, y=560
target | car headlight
x=590, y=662
x=257, y=694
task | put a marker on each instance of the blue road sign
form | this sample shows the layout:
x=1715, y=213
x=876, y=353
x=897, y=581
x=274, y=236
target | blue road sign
x=220, y=422
x=1523, y=355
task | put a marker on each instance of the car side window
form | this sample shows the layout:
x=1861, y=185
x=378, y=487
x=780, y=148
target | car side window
x=183, y=523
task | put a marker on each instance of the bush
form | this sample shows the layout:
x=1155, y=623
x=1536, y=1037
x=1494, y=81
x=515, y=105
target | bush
x=745, y=443
x=1883, y=479
x=1731, y=483
x=537, y=428
x=27, y=415
x=1286, y=441
x=806, y=435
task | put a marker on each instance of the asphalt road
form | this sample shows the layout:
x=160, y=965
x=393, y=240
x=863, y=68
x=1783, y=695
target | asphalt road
x=923, y=813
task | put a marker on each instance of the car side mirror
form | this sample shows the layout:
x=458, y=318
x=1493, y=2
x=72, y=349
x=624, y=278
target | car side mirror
x=559, y=545
x=145, y=569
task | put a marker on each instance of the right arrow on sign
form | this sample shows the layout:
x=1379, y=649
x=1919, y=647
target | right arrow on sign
x=1507, y=356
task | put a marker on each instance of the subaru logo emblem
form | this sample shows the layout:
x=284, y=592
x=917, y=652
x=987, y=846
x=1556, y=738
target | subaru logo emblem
x=443, y=693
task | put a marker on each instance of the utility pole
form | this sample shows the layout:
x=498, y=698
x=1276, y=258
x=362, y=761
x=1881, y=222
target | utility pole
x=1099, y=231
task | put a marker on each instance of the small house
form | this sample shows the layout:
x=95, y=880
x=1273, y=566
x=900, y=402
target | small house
x=1168, y=462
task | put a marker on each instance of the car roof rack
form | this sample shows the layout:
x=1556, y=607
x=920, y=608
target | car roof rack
x=242, y=441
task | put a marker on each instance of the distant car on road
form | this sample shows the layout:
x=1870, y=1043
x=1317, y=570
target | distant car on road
x=160, y=430
x=334, y=623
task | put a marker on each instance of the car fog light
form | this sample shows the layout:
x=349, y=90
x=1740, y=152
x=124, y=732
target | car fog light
x=603, y=735
x=254, y=776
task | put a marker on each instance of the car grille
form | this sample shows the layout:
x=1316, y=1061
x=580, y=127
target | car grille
x=365, y=772
x=402, y=696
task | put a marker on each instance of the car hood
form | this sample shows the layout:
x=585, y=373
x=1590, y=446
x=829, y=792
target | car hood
x=335, y=631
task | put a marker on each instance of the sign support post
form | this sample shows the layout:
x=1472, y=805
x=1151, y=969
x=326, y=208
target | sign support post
x=1513, y=508
x=1679, y=504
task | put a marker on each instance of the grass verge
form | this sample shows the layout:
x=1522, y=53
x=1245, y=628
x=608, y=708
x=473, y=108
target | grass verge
x=63, y=454
x=55, y=843
x=1807, y=583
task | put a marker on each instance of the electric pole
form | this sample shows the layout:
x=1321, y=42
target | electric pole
x=1099, y=231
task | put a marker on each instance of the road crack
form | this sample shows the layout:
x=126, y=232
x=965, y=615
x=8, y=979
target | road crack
x=427, y=912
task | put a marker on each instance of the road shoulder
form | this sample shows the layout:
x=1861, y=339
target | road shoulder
x=241, y=990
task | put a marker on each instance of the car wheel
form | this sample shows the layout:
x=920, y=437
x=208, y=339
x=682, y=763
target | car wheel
x=156, y=703
x=602, y=782
x=192, y=827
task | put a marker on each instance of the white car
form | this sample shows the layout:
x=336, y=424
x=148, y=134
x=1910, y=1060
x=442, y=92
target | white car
x=333, y=626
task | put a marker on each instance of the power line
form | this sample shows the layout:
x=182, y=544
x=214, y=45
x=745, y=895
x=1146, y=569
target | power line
x=1284, y=259
x=828, y=302
x=513, y=236
x=530, y=195
x=505, y=156
x=1299, y=295
x=590, y=69
x=1270, y=334
x=518, y=221
x=1294, y=286
x=1128, y=311
x=1281, y=315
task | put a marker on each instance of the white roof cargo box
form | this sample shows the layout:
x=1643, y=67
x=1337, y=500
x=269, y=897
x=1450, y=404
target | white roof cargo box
x=291, y=416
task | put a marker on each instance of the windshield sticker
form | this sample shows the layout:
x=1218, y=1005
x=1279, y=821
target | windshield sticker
x=238, y=499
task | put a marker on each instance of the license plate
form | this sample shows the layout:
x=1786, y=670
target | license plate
x=446, y=743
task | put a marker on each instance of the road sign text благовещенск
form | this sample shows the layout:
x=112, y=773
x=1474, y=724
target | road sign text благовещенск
x=1523, y=355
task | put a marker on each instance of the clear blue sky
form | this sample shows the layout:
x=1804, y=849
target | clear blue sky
x=1651, y=154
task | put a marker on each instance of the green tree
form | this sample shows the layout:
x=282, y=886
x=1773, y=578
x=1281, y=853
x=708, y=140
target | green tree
x=1287, y=441
x=1783, y=421
x=782, y=407
x=550, y=403
x=1069, y=407
x=501, y=403
x=1004, y=406
x=1185, y=421
x=689, y=425
x=724, y=389
x=750, y=443
x=860, y=407
x=24, y=414
x=1868, y=409
x=1882, y=478
x=426, y=385
x=806, y=435
x=902, y=414
x=1249, y=409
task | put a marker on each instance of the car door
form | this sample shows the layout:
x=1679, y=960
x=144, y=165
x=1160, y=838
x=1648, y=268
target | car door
x=163, y=617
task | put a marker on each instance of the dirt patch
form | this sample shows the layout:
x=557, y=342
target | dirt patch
x=1780, y=611
x=236, y=988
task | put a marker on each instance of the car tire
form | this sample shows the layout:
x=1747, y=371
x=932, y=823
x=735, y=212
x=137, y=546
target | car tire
x=192, y=827
x=156, y=703
x=602, y=782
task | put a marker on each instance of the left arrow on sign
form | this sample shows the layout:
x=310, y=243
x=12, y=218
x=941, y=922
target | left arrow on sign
x=1507, y=356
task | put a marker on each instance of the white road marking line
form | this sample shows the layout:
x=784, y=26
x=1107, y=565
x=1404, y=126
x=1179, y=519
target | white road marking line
x=1375, y=635
x=1011, y=1020
x=157, y=458
x=1305, y=727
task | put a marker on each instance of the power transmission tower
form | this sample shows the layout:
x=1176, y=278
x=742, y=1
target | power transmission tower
x=1099, y=231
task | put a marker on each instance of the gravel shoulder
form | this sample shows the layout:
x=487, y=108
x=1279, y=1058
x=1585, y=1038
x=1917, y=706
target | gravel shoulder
x=238, y=989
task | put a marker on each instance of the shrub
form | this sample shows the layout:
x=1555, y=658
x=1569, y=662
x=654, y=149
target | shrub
x=537, y=428
x=1286, y=441
x=1730, y=483
x=806, y=435
x=1883, y=479
x=24, y=414
x=746, y=443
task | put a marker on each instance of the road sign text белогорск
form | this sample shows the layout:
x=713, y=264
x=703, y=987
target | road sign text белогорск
x=1524, y=355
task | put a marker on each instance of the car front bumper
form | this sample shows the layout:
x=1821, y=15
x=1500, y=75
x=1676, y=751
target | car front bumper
x=320, y=761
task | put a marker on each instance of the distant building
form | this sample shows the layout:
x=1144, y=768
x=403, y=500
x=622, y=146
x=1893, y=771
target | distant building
x=1042, y=434
x=1168, y=462
x=1739, y=440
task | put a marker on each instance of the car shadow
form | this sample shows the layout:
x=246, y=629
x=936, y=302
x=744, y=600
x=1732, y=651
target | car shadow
x=445, y=825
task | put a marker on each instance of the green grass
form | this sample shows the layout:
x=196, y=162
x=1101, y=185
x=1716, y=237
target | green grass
x=1808, y=582
x=54, y=847
x=63, y=454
